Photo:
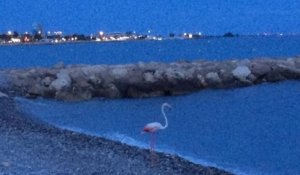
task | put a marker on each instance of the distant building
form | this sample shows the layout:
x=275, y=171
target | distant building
x=192, y=35
x=54, y=36
x=15, y=40
x=229, y=34
x=79, y=37
x=26, y=37
x=37, y=37
x=171, y=35
x=38, y=32
x=4, y=38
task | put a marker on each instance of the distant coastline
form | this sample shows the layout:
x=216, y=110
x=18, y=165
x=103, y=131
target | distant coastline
x=133, y=40
x=38, y=36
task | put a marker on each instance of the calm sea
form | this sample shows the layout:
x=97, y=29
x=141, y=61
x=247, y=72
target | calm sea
x=252, y=130
x=132, y=52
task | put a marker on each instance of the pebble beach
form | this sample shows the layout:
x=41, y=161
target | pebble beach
x=30, y=146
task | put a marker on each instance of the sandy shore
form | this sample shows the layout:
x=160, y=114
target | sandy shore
x=32, y=147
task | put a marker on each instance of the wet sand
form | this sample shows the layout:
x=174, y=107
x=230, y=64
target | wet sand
x=32, y=147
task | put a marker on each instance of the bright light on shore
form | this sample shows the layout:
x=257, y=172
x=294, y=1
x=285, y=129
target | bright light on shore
x=58, y=33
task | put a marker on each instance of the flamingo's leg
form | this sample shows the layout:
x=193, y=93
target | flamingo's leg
x=151, y=142
x=153, y=155
x=154, y=140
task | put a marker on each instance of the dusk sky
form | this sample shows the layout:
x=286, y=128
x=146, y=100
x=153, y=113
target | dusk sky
x=161, y=17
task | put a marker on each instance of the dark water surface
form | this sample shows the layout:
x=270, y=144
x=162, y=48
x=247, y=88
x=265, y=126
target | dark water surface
x=132, y=52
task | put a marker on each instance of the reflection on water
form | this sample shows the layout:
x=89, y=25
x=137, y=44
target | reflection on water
x=254, y=129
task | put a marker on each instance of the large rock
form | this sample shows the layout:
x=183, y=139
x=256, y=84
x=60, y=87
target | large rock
x=95, y=80
x=241, y=72
x=289, y=71
x=200, y=81
x=174, y=74
x=47, y=81
x=213, y=78
x=119, y=72
x=63, y=81
x=111, y=91
x=149, y=77
x=260, y=68
x=35, y=91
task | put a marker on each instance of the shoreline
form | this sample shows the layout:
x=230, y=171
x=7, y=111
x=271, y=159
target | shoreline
x=32, y=146
x=68, y=42
x=143, y=40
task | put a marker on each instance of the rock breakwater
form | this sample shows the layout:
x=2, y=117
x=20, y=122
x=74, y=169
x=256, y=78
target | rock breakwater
x=78, y=82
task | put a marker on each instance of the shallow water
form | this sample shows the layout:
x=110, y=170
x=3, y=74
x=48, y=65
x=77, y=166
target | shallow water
x=134, y=51
x=253, y=130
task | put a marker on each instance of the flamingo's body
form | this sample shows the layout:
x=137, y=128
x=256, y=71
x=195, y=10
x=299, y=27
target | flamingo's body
x=153, y=127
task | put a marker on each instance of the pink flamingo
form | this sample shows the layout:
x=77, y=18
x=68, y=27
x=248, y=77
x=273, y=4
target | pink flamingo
x=153, y=127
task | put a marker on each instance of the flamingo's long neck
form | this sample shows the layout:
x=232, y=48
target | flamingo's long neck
x=164, y=114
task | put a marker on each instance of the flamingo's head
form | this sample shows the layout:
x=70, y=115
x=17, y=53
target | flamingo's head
x=167, y=105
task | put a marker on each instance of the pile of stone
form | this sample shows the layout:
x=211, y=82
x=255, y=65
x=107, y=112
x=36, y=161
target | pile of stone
x=77, y=82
